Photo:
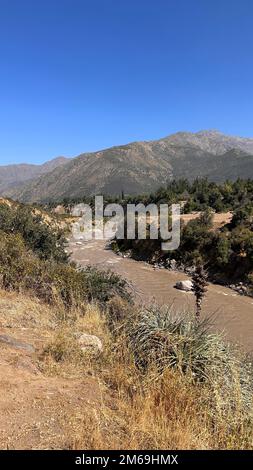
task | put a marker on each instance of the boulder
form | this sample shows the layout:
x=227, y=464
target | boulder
x=90, y=344
x=186, y=286
x=172, y=264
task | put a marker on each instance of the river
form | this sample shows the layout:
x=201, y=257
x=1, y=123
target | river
x=230, y=312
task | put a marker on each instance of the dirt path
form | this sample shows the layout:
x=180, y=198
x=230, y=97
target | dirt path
x=231, y=312
x=38, y=410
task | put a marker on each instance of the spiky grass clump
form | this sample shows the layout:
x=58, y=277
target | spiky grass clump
x=162, y=340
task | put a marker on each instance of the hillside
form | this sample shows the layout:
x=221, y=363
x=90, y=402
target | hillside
x=55, y=397
x=143, y=166
x=14, y=176
x=85, y=366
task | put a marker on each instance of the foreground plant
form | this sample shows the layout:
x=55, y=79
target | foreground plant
x=159, y=338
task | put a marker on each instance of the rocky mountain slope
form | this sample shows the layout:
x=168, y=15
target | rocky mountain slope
x=143, y=166
x=14, y=176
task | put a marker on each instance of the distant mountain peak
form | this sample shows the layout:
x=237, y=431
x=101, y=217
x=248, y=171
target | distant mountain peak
x=138, y=167
x=55, y=162
x=209, y=132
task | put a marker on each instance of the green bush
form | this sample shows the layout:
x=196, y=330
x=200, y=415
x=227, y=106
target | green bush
x=104, y=285
x=51, y=281
x=45, y=241
x=14, y=260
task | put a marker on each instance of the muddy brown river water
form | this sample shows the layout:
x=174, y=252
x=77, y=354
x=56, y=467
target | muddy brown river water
x=230, y=312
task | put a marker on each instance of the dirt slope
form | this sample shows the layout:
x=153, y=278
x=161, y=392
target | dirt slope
x=38, y=410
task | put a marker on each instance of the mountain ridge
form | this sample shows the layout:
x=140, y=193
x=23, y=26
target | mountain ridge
x=143, y=166
x=16, y=175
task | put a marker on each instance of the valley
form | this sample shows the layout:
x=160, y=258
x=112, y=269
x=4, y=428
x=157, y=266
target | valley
x=126, y=233
x=87, y=354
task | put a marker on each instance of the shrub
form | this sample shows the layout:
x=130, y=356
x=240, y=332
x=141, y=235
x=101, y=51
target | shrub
x=14, y=261
x=51, y=281
x=118, y=309
x=45, y=241
x=162, y=340
x=104, y=285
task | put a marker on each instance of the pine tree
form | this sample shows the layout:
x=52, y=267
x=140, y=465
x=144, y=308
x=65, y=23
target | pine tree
x=199, y=281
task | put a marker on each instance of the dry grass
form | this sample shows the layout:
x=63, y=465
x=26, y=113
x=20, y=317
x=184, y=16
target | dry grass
x=219, y=219
x=162, y=411
x=164, y=417
x=23, y=311
x=62, y=354
x=106, y=402
x=168, y=413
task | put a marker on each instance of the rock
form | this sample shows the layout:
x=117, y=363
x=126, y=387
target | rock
x=78, y=210
x=172, y=264
x=189, y=271
x=186, y=286
x=14, y=343
x=239, y=288
x=90, y=344
x=242, y=290
x=59, y=210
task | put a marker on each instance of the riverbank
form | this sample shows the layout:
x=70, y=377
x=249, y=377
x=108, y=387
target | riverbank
x=230, y=312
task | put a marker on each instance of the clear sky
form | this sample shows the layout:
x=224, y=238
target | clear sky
x=81, y=75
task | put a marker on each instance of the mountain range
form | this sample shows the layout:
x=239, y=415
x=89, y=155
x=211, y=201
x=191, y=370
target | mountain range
x=133, y=168
x=14, y=176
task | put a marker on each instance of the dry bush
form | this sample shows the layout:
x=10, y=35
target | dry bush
x=63, y=347
x=117, y=311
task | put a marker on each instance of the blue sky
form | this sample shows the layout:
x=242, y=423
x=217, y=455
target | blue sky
x=81, y=75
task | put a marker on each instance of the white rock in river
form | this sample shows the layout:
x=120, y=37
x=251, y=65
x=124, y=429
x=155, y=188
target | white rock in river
x=184, y=285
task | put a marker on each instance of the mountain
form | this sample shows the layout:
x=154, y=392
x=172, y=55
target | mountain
x=212, y=141
x=15, y=176
x=143, y=166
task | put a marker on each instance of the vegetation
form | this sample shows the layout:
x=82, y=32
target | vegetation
x=199, y=195
x=33, y=257
x=172, y=382
x=24, y=221
x=199, y=287
x=225, y=252
x=161, y=339
x=162, y=380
